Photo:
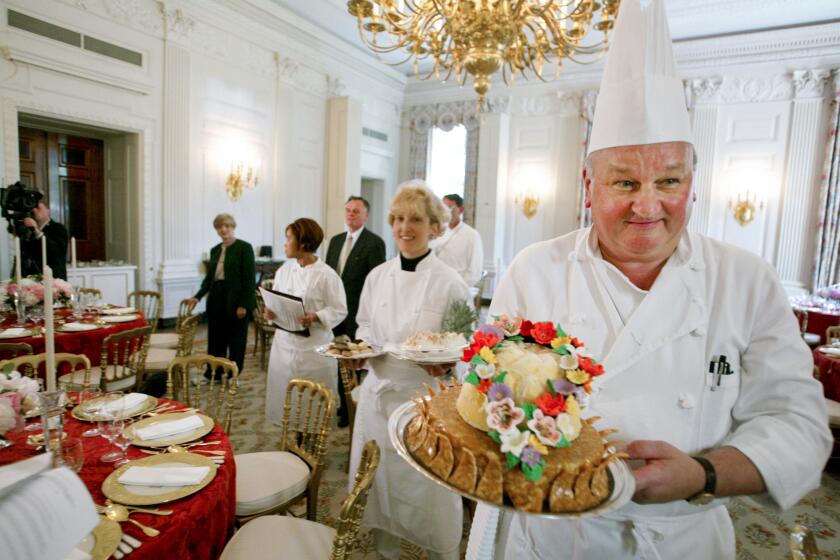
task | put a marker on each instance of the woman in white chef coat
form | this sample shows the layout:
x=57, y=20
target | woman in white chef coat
x=307, y=277
x=401, y=296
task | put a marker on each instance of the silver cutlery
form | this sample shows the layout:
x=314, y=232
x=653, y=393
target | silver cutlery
x=127, y=544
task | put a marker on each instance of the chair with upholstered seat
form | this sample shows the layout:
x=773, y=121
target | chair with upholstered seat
x=158, y=359
x=810, y=339
x=123, y=360
x=148, y=302
x=96, y=292
x=832, y=335
x=79, y=364
x=272, y=481
x=217, y=398
x=303, y=539
x=263, y=331
x=170, y=340
x=9, y=350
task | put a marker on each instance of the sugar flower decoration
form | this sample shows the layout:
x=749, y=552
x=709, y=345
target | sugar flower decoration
x=503, y=416
x=498, y=392
x=485, y=371
x=530, y=456
x=545, y=428
x=514, y=442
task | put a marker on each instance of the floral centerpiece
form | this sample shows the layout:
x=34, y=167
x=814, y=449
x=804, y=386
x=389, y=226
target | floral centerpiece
x=529, y=403
x=31, y=291
x=18, y=395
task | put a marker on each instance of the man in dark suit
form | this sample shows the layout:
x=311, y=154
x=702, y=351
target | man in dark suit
x=353, y=254
x=55, y=233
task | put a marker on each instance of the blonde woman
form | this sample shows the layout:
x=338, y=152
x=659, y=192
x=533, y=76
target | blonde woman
x=401, y=296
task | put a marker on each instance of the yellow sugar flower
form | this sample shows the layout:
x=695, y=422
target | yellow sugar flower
x=577, y=376
x=487, y=355
x=560, y=341
x=572, y=406
x=537, y=444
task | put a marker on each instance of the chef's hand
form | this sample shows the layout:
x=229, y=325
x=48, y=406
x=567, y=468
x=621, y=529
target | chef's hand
x=240, y=312
x=308, y=319
x=355, y=364
x=438, y=370
x=269, y=314
x=667, y=475
x=193, y=301
x=30, y=223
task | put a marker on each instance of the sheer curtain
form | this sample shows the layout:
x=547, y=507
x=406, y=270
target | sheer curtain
x=445, y=116
x=827, y=253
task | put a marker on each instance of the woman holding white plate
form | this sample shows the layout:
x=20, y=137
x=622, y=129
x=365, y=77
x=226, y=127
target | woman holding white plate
x=404, y=295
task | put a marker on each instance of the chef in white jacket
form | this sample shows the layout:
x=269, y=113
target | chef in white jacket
x=308, y=277
x=401, y=296
x=460, y=245
x=660, y=306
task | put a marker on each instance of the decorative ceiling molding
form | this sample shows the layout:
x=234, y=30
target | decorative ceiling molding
x=442, y=115
x=756, y=89
x=810, y=83
x=142, y=15
x=701, y=91
x=178, y=24
x=336, y=87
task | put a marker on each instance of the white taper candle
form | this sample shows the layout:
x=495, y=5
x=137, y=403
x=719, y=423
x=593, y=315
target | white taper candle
x=49, y=335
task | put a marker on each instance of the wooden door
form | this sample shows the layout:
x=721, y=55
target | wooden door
x=33, y=158
x=78, y=191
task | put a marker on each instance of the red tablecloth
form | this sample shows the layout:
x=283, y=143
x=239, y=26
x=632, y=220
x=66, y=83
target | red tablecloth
x=200, y=525
x=819, y=322
x=829, y=367
x=88, y=343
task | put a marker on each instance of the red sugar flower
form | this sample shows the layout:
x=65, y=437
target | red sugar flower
x=485, y=339
x=484, y=385
x=551, y=405
x=544, y=332
x=586, y=365
x=576, y=343
x=525, y=329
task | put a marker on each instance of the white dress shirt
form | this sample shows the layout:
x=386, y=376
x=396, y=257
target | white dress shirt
x=461, y=248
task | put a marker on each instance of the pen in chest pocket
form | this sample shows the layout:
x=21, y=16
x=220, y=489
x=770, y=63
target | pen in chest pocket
x=720, y=367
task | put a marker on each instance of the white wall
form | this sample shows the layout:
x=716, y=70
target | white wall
x=217, y=77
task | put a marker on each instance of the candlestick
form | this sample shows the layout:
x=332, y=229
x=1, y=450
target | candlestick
x=43, y=251
x=17, y=261
x=49, y=335
x=73, y=254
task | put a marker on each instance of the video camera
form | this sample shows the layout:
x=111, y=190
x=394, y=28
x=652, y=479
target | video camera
x=17, y=202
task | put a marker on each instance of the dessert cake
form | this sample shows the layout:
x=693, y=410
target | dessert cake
x=513, y=431
x=344, y=347
x=425, y=341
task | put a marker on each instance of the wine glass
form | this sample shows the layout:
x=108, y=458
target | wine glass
x=89, y=397
x=110, y=419
x=72, y=453
x=122, y=441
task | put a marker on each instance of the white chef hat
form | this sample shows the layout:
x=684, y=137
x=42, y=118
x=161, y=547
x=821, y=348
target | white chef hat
x=641, y=100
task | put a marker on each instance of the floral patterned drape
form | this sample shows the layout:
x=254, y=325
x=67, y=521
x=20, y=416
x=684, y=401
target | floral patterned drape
x=827, y=252
x=445, y=116
x=587, y=112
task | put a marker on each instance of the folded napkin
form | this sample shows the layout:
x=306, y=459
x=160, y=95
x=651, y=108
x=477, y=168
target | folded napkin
x=160, y=430
x=14, y=331
x=76, y=326
x=117, y=310
x=123, y=404
x=163, y=476
x=830, y=351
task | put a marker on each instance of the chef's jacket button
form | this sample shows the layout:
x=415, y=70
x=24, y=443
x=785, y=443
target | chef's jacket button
x=699, y=331
x=686, y=400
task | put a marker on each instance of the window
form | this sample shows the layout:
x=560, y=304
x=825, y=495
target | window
x=447, y=160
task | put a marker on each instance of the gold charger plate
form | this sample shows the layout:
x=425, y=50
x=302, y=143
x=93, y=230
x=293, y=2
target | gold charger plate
x=25, y=334
x=103, y=541
x=119, y=318
x=82, y=411
x=88, y=327
x=173, y=439
x=150, y=495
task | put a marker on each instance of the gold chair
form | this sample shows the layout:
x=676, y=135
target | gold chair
x=812, y=340
x=303, y=539
x=217, y=398
x=350, y=381
x=9, y=350
x=803, y=545
x=832, y=335
x=123, y=361
x=170, y=339
x=480, y=287
x=28, y=365
x=93, y=291
x=148, y=302
x=263, y=331
x=158, y=359
x=272, y=481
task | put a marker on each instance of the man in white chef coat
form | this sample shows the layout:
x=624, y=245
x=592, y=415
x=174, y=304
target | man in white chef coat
x=460, y=245
x=662, y=309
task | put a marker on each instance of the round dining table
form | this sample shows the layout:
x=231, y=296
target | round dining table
x=88, y=343
x=200, y=524
x=829, y=368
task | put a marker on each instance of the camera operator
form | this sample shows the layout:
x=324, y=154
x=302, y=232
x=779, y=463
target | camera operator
x=41, y=225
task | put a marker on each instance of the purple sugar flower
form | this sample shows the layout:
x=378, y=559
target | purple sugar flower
x=499, y=391
x=530, y=456
x=487, y=329
x=563, y=387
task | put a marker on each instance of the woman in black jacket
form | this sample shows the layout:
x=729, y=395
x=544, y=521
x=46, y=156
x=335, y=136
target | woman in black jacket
x=231, y=285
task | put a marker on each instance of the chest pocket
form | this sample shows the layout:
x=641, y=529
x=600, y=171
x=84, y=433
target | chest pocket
x=719, y=397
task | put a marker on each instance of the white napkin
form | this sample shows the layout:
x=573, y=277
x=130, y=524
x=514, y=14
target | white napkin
x=14, y=331
x=78, y=327
x=117, y=310
x=830, y=351
x=123, y=404
x=164, y=429
x=163, y=476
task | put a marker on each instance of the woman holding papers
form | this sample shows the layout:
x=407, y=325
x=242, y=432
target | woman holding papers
x=401, y=296
x=324, y=306
x=230, y=287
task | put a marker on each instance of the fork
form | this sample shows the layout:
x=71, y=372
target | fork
x=132, y=509
x=127, y=544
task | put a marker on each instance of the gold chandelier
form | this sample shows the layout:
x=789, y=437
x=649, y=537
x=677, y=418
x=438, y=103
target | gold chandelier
x=480, y=37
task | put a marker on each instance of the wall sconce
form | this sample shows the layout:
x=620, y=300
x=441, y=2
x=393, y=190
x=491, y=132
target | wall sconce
x=745, y=206
x=242, y=175
x=532, y=179
x=529, y=202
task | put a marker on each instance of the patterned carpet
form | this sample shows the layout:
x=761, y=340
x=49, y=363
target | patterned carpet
x=761, y=531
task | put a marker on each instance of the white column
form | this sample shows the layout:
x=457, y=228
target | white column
x=344, y=139
x=795, y=249
x=703, y=99
x=178, y=274
x=491, y=193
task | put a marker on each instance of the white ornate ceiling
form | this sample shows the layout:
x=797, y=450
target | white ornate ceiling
x=688, y=18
